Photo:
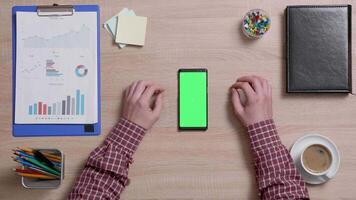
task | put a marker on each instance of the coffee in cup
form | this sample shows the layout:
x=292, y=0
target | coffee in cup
x=316, y=159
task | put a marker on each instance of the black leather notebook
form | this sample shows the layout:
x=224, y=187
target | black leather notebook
x=319, y=48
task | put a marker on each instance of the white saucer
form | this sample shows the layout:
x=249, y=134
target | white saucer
x=310, y=139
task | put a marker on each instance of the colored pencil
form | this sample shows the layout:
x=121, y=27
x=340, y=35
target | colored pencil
x=48, y=155
x=56, y=165
x=43, y=172
x=34, y=167
x=44, y=153
x=35, y=171
x=32, y=170
x=53, y=159
x=35, y=162
x=28, y=171
x=40, y=157
x=20, y=153
x=40, y=176
x=24, y=162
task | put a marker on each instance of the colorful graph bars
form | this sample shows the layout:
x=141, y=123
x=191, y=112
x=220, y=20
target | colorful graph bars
x=68, y=106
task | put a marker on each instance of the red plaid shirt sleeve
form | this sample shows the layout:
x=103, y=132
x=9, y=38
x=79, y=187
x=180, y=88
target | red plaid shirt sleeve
x=276, y=175
x=106, y=170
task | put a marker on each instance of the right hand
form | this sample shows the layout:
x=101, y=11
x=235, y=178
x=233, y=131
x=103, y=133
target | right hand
x=138, y=107
x=258, y=105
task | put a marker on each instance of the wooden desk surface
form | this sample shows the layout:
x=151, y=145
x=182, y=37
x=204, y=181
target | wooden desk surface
x=171, y=165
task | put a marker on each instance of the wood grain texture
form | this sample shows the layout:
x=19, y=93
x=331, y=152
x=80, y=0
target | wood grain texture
x=171, y=165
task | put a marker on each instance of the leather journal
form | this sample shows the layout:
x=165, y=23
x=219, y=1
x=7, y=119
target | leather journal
x=319, y=49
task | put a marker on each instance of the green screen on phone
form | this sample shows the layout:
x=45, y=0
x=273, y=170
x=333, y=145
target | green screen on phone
x=193, y=99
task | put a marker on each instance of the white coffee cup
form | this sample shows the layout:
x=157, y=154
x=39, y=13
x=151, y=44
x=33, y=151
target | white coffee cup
x=316, y=160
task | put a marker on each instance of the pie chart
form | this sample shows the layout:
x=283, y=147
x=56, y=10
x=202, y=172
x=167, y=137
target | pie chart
x=81, y=71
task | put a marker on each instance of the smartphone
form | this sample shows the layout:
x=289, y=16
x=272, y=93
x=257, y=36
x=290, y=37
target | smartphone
x=193, y=99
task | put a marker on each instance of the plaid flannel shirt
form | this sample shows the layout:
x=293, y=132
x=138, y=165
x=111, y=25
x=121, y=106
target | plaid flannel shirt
x=106, y=171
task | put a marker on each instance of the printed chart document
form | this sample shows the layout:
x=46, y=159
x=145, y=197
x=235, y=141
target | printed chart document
x=56, y=69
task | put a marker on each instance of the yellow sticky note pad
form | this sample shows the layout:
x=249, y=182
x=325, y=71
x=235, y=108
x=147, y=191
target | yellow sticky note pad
x=132, y=30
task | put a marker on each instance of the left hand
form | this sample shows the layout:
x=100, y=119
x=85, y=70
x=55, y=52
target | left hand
x=258, y=105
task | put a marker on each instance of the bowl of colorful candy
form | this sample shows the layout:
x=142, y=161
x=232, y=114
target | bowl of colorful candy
x=256, y=23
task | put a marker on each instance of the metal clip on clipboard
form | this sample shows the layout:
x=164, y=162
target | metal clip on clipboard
x=55, y=10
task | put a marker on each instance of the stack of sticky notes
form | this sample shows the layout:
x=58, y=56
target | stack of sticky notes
x=127, y=29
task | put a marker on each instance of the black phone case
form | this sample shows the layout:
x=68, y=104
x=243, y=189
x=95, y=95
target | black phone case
x=207, y=113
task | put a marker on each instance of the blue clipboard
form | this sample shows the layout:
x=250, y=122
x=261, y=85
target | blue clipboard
x=28, y=130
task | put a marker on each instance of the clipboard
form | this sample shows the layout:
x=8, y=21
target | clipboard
x=29, y=130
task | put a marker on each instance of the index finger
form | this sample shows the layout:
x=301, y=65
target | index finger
x=246, y=88
x=150, y=91
x=140, y=88
x=254, y=81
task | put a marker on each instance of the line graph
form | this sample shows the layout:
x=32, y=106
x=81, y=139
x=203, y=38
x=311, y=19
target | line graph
x=71, y=39
x=31, y=69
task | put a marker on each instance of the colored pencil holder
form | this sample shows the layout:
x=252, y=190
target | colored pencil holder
x=31, y=183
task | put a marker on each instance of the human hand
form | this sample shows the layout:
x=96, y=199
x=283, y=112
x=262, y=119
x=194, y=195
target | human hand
x=143, y=102
x=258, y=105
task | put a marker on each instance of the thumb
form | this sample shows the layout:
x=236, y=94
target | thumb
x=158, y=104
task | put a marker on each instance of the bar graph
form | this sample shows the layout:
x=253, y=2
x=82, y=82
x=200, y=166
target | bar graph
x=70, y=105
